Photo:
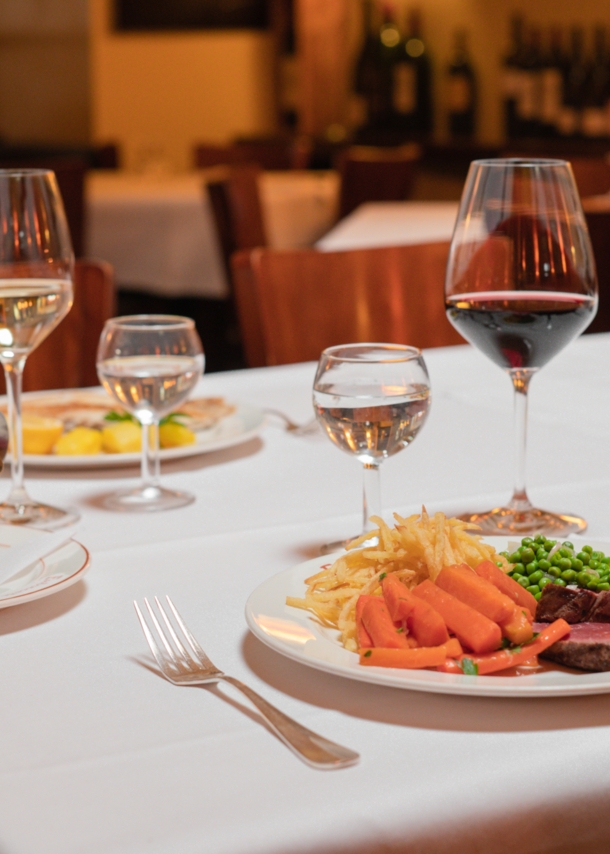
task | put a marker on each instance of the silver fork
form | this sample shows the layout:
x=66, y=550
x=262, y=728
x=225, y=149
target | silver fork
x=191, y=666
x=291, y=426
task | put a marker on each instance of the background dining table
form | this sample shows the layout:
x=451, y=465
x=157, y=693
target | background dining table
x=157, y=229
x=100, y=754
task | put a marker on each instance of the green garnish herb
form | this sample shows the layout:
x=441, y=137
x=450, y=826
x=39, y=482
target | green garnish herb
x=383, y=575
x=516, y=649
x=504, y=643
x=367, y=653
x=173, y=418
x=400, y=629
x=118, y=416
x=469, y=668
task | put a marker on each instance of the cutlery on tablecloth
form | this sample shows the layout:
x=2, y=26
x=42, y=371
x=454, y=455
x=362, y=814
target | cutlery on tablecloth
x=192, y=667
x=291, y=426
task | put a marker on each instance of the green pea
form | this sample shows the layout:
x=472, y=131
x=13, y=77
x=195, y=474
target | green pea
x=548, y=544
x=603, y=586
x=593, y=564
x=540, y=539
x=583, y=578
x=526, y=541
x=543, y=582
x=555, y=571
x=540, y=554
x=597, y=555
x=587, y=549
x=593, y=584
x=527, y=555
x=538, y=596
x=519, y=567
x=582, y=556
x=533, y=589
x=555, y=559
x=504, y=554
x=515, y=557
x=565, y=563
x=531, y=567
x=536, y=576
x=523, y=581
x=544, y=564
x=577, y=564
x=560, y=582
x=563, y=552
x=569, y=545
x=568, y=576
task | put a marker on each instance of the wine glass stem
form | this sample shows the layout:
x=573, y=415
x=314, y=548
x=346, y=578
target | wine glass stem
x=150, y=454
x=13, y=373
x=521, y=379
x=372, y=495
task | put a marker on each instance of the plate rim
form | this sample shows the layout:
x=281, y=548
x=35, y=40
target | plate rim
x=426, y=681
x=95, y=461
x=68, y=581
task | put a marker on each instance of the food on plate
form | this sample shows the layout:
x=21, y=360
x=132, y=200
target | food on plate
x=81, y=441
x=587, y=647
x=50, y=422
x=539, y=561
x=40, y=433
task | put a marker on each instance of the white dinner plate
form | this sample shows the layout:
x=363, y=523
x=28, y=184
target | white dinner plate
x=297, y=634
x=63, y=567
x=241, y=425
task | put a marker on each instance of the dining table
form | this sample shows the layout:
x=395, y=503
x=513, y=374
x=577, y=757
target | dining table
x=100, y=754
x=157, y=228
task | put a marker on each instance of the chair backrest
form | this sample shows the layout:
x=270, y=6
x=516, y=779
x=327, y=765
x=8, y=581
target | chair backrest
x=70, y=173
x=276, y=153
x=592, y=175
x=66, y=359
x=598, y=223
x=293, y=304
x=237, y=211
x=370, y=174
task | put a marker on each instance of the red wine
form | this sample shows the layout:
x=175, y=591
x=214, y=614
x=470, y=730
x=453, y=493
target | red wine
x=520, y=329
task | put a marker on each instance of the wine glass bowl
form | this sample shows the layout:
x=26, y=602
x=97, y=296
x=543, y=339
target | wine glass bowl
x=149, y=364
x=36, y=266
x=520, y=285
x=371, y=400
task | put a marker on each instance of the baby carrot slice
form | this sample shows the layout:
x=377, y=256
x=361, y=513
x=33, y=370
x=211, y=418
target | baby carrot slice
x=505, y=584
x=424, y=623
x=410, y=659
x=463, y=583
x=364, y=639
x=471, y=628
x=378, y=623
x=519, y=628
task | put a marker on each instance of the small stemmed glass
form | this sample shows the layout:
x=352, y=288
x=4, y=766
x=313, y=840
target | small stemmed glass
x=371, y=400
x=149, y=364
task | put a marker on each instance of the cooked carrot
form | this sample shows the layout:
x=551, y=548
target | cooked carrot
x=507, y=585
x=473, y=590
x=410, y=659
x=471, y=628
x=378, y=623
x=364, y=639
x=503, y=659
x=423, y=622
x=453, y=648
x=519, y=628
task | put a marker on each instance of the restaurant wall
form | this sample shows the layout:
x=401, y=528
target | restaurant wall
x=157, y=94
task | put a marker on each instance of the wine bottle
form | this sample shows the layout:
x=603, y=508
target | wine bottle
x=596, y=88
x=574, y=83
x=461, y=89
x=512, y=78
x=412, y=82
x=551, y=83
x=528, y=106
x=389, y=52
x=367, y=105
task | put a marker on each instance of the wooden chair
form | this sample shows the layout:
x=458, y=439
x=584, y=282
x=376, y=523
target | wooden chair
x=370, y=174
x=274, y=153
x=237, y=211
x=66, y=359
x=592, y=175
x=292, y=304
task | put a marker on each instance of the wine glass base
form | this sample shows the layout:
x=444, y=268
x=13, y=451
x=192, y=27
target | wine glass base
x=147, y=499
x=502, y=521
x=339, y=545
x=35, y=515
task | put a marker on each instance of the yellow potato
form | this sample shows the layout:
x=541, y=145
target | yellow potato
x=80, y=441
x=122, y=437
x=40, y=434
x=174, y=435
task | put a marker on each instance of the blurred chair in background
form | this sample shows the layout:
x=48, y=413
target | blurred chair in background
x=370, y=174
x=293, y=304
x=592, y=175
x=273, y=153
x=66, y=359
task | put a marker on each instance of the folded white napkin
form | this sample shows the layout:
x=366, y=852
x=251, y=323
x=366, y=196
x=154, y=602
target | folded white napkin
x=16, y=558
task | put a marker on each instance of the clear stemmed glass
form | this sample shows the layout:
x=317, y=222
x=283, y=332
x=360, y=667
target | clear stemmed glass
x=521, y=284
x=149, y=364
x=36, y=266
x=372, y=400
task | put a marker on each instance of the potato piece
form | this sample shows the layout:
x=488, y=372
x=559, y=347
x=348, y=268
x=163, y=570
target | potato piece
x=80, y=441
x=40, y=434
x=122, y=437
x=174, y=435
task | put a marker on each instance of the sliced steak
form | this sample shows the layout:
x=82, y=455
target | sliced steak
x=573, y=606
x=600, y=612
x=587, y=647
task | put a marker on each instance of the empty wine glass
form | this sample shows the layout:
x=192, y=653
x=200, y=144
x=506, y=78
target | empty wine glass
x=149, y=364
x=36, y=265
x=372, y=400
x=520, y=285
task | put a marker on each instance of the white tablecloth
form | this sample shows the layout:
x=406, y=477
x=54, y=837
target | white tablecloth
x=101, y=755
x=392, y=224
x=158, y=230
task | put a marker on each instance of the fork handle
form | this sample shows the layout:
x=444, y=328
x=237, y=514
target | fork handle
x=313, y=749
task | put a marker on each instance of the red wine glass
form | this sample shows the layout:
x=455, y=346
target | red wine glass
x=521, y=284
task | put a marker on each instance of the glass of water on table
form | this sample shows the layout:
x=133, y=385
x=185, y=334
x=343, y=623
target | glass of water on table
x=149, y=364
x=371, y=400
